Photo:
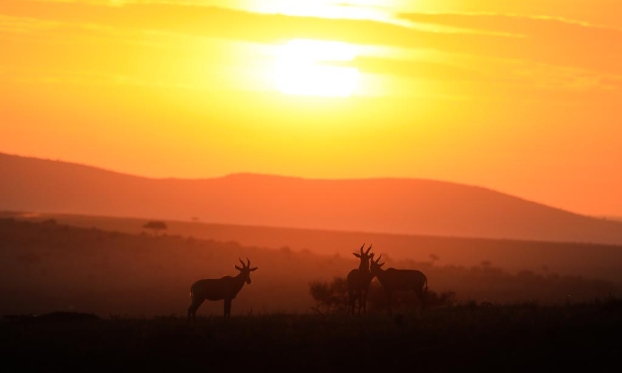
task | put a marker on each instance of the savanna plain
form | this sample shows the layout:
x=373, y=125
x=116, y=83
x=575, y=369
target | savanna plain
x=93, y=299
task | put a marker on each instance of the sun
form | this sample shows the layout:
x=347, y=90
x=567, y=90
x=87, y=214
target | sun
x=303, y=67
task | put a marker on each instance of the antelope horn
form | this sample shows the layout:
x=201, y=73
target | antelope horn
x=243, y=265
x=367, y=252
x=362, y=247
x=377, y=260
x=248, y=263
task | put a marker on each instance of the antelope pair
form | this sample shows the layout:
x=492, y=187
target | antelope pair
x=225, y=288
x=359, y=280
x=391, y=280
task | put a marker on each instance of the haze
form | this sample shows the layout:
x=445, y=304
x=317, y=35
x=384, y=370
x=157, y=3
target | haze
x=520, y=97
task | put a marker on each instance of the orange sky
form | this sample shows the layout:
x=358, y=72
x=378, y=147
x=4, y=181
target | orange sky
x=523, y=97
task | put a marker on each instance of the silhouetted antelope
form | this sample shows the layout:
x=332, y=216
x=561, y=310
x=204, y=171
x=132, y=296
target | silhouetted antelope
x=359, y=280
x=226, y=288
x=393, y=279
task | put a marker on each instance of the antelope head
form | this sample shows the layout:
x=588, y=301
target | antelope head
x=245, y=270
x=364, y=255
x=374, y=268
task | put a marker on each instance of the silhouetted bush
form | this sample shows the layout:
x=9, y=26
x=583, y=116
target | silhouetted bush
x=377, y=299
x=330, y=297
x=155, y=226
x=333, y=297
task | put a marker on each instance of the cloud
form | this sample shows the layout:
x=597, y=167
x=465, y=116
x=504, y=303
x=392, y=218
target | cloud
x=418, y=69
x=511, y=51
x=544, y=40
x=555, y=41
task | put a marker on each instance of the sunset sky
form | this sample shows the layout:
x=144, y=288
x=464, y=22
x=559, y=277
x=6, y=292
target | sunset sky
x=523, y=97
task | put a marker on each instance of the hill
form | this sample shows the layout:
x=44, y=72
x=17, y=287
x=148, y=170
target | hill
x=399, y=206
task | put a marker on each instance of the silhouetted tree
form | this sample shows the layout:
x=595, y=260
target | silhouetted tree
x=156, y=226
x=330, y=297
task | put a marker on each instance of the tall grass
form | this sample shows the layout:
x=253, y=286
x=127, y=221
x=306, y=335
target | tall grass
x=463, y=336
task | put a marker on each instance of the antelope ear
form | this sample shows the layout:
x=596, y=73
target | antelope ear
x=253, y=269
x=381, y=264
x=357, y=255
x=238, y=268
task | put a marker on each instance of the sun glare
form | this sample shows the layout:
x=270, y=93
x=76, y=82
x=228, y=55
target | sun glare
x=303, y=67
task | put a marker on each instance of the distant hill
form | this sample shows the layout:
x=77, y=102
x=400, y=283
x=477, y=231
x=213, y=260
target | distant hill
x=402, y=206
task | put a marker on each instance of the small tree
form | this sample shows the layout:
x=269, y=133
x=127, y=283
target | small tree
x=156, y=226
x=330, y=297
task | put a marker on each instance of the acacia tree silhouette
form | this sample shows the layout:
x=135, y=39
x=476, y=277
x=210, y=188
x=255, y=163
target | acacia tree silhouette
x=155, y=226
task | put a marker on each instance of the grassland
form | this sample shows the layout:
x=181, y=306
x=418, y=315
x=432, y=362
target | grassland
x=47, y=266
x=137, y=286
x=519, y=337
x=563, y=258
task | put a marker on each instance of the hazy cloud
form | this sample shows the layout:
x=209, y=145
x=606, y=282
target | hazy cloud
x=545, y=40
x=537, y=51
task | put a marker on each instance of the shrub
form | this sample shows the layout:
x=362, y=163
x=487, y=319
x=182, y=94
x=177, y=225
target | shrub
x=330, y=297
x=333, y=297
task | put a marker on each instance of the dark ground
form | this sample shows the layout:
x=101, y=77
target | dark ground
x=523, y=337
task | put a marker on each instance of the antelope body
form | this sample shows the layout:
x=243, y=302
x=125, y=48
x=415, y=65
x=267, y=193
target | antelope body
x=225, y=288
x=393, y=279
x=358, y=281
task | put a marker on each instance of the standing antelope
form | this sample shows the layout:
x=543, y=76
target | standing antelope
x=359, y=280
x=226, y=288
x=393, y=279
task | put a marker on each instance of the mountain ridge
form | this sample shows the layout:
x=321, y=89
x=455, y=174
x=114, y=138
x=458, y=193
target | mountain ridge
x=389, y=205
